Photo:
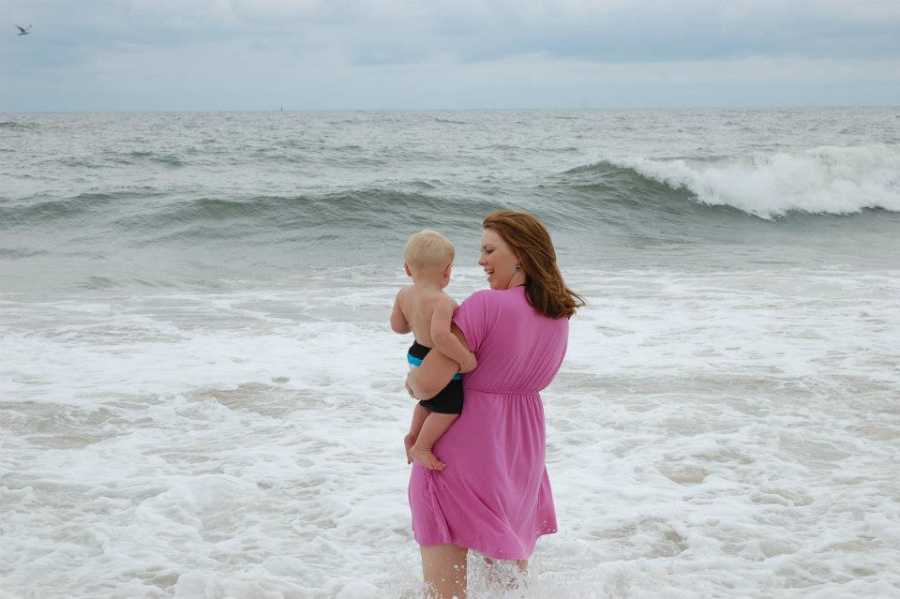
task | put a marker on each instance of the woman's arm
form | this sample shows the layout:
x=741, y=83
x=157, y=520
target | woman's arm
x=445, y=341
x=435, y=372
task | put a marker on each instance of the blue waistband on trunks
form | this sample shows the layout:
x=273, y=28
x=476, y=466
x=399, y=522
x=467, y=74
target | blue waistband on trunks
x=416, y=362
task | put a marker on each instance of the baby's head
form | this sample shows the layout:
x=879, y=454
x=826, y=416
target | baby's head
x=429, y=257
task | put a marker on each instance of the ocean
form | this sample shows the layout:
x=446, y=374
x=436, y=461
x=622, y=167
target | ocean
x=200, y=395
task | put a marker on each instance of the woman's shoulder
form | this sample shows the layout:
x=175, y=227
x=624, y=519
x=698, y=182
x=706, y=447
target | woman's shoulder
x=495, y=296
x=510, y=293
x=474, y=303
x=481, y=295
x=485, y=303
x=493, y=304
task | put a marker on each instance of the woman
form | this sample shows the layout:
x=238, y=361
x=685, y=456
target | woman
x=494, y=495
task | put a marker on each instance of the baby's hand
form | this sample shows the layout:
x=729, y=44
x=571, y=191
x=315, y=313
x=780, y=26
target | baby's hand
x=468, y=365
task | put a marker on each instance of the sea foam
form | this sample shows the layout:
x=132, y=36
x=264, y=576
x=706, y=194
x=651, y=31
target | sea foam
x=821, y=180
x=710, y=434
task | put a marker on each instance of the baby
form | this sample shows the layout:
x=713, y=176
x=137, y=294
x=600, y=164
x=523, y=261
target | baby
x=427, y=311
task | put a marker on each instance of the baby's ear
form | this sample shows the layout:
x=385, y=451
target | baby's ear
x=406, y=268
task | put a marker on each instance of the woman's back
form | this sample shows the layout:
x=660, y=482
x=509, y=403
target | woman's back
x=519, y=350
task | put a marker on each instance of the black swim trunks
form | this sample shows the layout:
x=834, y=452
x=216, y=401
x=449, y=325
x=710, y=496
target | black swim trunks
x=450, y=399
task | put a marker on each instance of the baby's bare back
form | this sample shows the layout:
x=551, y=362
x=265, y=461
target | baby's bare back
x=418, y=306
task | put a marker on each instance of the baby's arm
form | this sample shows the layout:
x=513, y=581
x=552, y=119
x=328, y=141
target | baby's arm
x=445, y=341
x=398, y=320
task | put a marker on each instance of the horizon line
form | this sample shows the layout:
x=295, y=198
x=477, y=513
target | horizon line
x=616, y=108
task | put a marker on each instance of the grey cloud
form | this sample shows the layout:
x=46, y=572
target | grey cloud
x=678, y=31
x=398, y=32
x=203, y=49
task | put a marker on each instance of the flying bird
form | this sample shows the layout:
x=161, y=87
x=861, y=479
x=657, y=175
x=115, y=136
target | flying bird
x=23, y=30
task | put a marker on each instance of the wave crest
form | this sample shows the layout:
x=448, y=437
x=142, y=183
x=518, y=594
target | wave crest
x=823, y=180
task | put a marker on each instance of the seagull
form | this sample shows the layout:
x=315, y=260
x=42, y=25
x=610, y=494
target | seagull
x=24, y=30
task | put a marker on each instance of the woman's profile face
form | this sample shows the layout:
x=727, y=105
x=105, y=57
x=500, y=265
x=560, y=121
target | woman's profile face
x=498, y=261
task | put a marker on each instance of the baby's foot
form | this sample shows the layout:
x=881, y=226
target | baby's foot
x=424, y=456
x=408, y=441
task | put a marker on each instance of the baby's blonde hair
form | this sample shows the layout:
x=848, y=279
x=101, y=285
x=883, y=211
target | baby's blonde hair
x=428, y=249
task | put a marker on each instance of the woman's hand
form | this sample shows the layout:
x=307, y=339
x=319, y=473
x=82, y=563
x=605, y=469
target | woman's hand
x=469, y=364
x=436, y=370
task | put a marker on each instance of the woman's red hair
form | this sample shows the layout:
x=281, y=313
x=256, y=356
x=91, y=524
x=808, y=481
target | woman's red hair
x=530, y=242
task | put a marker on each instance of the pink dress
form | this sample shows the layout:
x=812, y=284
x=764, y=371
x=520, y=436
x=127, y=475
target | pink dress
x=494, y=495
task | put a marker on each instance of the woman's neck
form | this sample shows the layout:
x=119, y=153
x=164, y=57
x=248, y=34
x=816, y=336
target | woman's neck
x=518, y=280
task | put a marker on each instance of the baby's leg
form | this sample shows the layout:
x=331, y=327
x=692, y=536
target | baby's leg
x=434, y=426
x=419, y=415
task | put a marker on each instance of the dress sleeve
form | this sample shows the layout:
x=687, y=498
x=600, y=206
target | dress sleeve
x=473, y=319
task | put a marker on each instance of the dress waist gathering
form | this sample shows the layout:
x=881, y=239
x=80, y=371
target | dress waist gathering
x=504, y=393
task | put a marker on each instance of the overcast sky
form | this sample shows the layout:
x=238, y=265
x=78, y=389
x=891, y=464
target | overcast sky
x=460, y=54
